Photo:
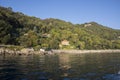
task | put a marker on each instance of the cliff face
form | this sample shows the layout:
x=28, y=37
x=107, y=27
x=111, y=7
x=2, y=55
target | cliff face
x=19, y=29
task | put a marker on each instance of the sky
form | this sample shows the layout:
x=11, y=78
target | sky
x=105, y=12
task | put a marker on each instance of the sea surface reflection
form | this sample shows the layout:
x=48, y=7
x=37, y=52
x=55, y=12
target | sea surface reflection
x=104, y=66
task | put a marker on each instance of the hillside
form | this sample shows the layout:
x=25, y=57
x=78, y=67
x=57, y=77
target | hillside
x=17, y=28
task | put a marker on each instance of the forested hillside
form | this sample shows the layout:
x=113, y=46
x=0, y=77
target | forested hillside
x=17, y=28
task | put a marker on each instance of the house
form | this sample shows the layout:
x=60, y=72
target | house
x=87, y=25
x=65, y=42
x=118, y=36
x=45, y=35
x=25, y=34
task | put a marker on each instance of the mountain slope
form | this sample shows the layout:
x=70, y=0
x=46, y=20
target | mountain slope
x=19, y=29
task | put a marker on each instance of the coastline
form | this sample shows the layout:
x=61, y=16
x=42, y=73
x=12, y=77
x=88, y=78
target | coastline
x=87, y=51
x=6, y=51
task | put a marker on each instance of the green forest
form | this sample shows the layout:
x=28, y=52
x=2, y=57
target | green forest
x=19, y=29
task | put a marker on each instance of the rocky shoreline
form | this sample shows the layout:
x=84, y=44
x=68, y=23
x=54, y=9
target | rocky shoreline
x=86, y=51
x=4, y=51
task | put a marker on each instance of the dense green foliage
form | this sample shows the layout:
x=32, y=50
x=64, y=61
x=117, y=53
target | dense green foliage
x=19, y=29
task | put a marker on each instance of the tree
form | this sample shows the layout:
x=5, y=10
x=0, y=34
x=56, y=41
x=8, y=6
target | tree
x=81, y=45
x=29, y=39
x=5, y=29
x=116, y=44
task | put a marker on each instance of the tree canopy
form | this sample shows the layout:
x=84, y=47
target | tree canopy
x=17, y=28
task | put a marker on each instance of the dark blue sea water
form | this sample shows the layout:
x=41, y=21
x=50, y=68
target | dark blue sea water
x=104, y=66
